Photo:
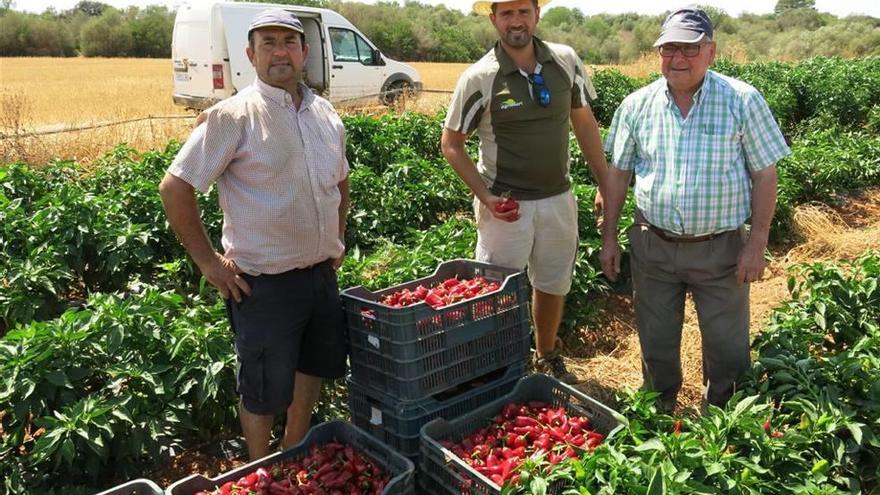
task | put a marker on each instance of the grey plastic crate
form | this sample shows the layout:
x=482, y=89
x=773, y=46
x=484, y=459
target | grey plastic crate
x=398, y=423
x=445, y=473
x=401, y=469
x=135, y=487
x=416, y=351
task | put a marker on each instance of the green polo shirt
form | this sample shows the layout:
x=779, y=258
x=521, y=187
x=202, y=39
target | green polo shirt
x=523, y=146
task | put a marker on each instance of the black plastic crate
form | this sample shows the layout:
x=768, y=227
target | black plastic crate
x=400, y=468
x=443, y=472
x=398, y=423
x=135, y=487
x=416, y=351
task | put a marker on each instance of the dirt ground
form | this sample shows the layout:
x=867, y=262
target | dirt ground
x=606, y=355
x=607, y=358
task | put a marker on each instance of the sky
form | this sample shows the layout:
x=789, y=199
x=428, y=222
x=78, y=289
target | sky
x=839, y=8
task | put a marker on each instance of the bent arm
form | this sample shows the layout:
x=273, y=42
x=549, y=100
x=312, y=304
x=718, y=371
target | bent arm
x=452, y=143
x=183, y=214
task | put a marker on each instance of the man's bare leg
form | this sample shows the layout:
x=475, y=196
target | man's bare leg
x=306, y=390
x=256, y=428
x=547, y=313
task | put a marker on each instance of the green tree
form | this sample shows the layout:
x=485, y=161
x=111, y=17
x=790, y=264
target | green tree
x=562, y=16
x=91, y=9
x=28, y=35
x=783, y=5
x=151, y=30
x=107, y=36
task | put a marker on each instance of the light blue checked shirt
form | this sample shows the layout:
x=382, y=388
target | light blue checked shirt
x=693, y=174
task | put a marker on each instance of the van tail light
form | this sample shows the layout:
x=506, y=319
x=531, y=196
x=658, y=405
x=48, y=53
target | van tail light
x=217, y=70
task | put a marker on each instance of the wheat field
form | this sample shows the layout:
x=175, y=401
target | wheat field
x=42, y=94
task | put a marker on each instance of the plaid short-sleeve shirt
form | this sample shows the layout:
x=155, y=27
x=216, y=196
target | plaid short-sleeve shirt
x=693, y=174
x=277, y=170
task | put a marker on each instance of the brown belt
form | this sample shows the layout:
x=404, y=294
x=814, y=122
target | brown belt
x=670, y=237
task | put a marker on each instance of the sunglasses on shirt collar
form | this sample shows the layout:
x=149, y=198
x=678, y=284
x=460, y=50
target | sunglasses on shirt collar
x=541, y=92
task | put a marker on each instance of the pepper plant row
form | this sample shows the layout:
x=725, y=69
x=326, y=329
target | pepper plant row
x=806, y=421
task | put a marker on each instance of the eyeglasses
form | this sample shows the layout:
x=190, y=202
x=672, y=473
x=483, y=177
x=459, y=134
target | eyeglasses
x=541, y=92
x=688, y=50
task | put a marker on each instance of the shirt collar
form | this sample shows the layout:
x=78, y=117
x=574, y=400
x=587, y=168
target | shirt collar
x=506, y=65
x=703, y=90
x=282, y=97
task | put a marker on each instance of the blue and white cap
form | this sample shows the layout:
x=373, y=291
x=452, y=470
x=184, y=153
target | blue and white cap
x=687, y=25
x=276, y=17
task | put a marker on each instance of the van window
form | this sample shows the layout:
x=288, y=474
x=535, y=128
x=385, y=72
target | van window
x=348, y=46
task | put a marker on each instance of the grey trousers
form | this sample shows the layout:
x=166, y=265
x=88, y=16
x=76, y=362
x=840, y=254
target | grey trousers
x=663, y=272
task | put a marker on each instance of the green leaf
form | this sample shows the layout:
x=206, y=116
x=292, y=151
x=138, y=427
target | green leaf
x=538, y=486
x=714, y=468
x=657, y=486
x=857, y=430
x=652, y=444
x=742, y=406
x=68, y=450
x=58, y=378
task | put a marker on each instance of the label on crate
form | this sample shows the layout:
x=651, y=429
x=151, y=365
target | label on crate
x=375, y=416
x=373, y=340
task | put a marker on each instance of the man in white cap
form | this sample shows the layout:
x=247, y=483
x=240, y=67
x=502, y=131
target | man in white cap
x=703, y=148
x=277, y=154
x=520, y=99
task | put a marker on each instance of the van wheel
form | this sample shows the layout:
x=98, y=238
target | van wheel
x=397, y=92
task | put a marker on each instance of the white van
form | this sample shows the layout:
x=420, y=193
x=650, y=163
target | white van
x=210, y=64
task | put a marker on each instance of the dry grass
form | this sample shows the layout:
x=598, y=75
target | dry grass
x=829, y=233
x=55, y=94
x=86, y=90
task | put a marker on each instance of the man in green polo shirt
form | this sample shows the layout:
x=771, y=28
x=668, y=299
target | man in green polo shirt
x=703, y=148
x=520, y=99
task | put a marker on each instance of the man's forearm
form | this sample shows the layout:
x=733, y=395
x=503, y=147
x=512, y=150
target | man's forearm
x=344, y=203
x=463, y=165
x=616, y=184
x=182, y=211
x=764, y=183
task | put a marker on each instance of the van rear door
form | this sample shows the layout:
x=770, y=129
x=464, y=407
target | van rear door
x=191, y=56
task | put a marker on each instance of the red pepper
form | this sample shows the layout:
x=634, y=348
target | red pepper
x=521, y=421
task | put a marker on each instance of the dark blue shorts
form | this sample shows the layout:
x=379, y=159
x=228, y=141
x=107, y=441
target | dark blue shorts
x=292, y=321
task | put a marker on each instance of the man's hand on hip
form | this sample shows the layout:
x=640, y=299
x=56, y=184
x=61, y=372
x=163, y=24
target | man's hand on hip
x=224, y=274
x=610, y=258
x=750, y=264
x=337, y=262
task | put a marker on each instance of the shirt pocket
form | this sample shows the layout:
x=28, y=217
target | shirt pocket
x=719, y=151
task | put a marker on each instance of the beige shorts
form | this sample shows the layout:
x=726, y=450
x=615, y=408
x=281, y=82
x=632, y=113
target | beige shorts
x=545, y=239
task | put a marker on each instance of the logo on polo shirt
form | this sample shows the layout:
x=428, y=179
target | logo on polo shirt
x=510, y=103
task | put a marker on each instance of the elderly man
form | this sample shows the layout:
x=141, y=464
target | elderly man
x=520, y=99
x=703, y=148
x=277, y=153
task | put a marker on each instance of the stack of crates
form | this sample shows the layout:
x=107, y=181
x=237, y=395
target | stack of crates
x=413, y=364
